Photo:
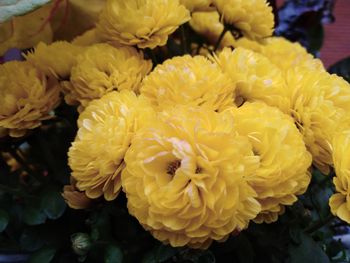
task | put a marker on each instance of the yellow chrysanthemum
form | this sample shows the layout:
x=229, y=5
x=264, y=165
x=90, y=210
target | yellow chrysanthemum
x=26, y=98
x=197, y=5
x=191, y=81
x=145, y=23
x=56, y=59
x=185, y=177
x=271, y=215
x=247, y=43
x=340, y=201
x=106, y=128
x=88, y=38
x=102, y=69
x=255, y=77
x=284, y=161
x=318, y=102
x=208, y=24
x=74, y=198
x=287, y=55
x=276, y=48
x=254, y=18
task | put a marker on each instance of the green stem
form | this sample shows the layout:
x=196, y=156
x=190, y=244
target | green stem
x=184, y=40
x=47, y=155
x=152, y=56
x=220, y=38
x=319, y=224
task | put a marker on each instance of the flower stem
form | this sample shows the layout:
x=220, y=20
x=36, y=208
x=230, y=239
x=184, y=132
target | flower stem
x=319, y=224
x=184, y=40
x=152, y=56
x=220, y=38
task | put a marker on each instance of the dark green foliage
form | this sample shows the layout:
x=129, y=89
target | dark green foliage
x=302, y=21
x=341, y=68
x=35, y=221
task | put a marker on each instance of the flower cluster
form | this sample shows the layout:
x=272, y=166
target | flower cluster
x=340, y=201
x=185, y=177
x=202, y=142
x=27, y=98
x=142, y=23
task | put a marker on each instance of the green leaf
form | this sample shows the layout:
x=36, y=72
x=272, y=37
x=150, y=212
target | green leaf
x=113, y=254
x=244, y=249
x=315, y=37
x=4, y=220
x=208, y=257
x=44, y=255
x=33, y=216
x=53, y=204
x=341, y=68
x=30, y=239
x=159, y=254
x=10, y=8
x=306, y=251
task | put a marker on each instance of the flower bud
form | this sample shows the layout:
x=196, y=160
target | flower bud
x=81, y=243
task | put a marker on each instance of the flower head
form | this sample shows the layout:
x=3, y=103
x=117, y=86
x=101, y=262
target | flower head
x=197, y=5
x=185, y=177
x=106, y=128
x=287, y=55
x=26, y=98
x=254, y=18
x=284, y=161
x=250, y=44
x=89, y=37
x=56, y=59
x=145, y=23
x=318, y=102
x=340, y=201
x=255, y=77
x=102, y=69
x=208, y=24
x=188, y=80
x=75, y=198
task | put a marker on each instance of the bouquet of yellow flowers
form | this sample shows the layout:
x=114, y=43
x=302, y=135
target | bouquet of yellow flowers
x=168, y=131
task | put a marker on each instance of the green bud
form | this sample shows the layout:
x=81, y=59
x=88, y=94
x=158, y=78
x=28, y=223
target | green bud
x=81, y=243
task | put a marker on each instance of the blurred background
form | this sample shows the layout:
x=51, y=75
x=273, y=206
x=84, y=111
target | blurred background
x=336, y=45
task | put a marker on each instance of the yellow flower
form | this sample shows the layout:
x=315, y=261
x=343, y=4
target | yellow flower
x=106, y=128
x=188, y=80
x=318, y=102
x=247, y=43
x=75, y=198
x=26, y=98
x=287, y=55
x=209, y=25
x=102, y=69
x=340, y=201
x=254, y=18
x=197, y=5
x=284, y=161
x=56, y=59
x=145, y=23
x=255, y=77
x=271, y=215
x=185, y=177
x=276, y=48
x=88, y=38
